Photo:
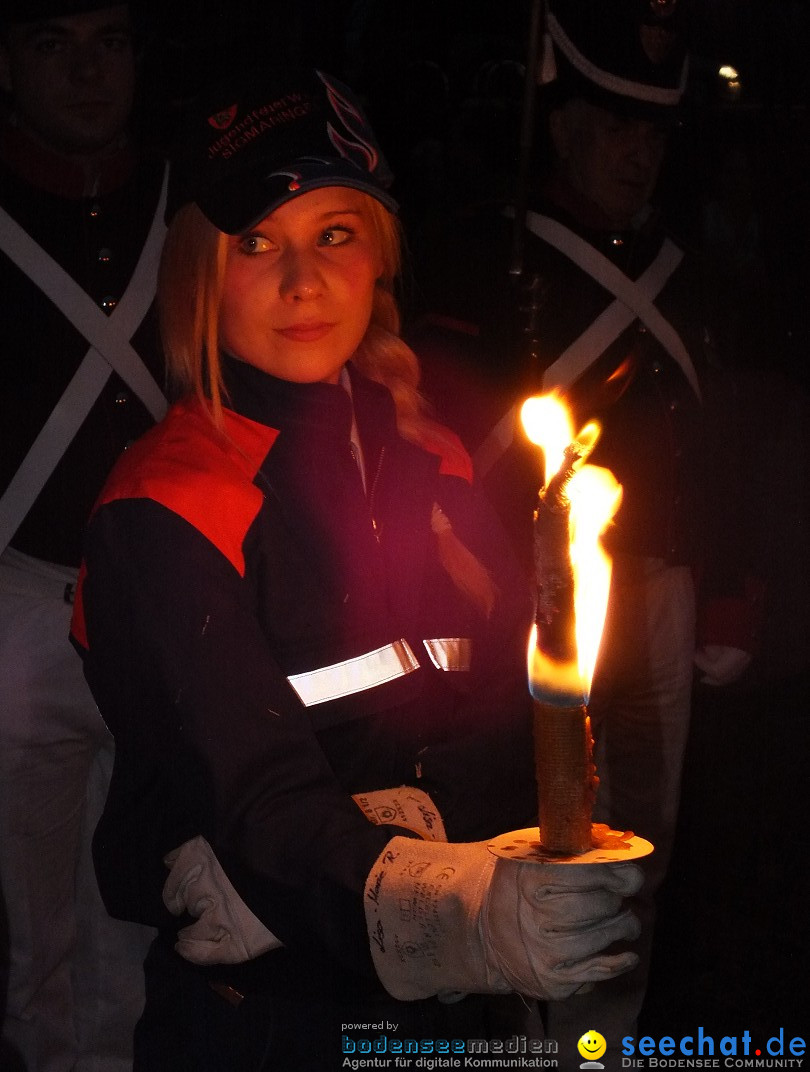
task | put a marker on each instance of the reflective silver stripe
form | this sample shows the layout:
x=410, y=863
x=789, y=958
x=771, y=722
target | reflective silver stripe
x=449, y=653
x=355, y=675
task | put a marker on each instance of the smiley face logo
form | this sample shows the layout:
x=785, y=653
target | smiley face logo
x=592, y=1046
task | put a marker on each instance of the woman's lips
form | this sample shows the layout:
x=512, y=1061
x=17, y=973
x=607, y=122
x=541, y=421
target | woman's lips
x=305, y=332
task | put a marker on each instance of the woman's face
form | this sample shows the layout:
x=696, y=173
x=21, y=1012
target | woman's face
x=299, y=286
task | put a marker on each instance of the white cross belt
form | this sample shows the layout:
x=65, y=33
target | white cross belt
x=634, y=300
x=110, y=349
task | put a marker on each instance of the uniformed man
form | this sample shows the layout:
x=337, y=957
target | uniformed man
x=81, y=226
x=607, y=311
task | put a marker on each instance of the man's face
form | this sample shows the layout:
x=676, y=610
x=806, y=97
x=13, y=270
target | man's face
x=72, y=78
x=613, y=160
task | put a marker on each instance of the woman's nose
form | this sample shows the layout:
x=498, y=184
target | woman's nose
x=301, y=278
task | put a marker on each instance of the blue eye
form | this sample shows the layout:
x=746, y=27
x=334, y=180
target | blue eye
x=336, y=236
x=254, y=243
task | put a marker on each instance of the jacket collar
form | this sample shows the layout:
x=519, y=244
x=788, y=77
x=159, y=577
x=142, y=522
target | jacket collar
x=69, y=177
x=320, y=409
x=585, y=215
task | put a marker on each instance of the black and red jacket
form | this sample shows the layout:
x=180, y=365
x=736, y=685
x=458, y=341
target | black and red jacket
x=220, y=565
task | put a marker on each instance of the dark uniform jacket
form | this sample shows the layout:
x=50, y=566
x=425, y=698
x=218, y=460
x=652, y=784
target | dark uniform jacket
x=95, y=233
x=219, y=566
x=485, y=344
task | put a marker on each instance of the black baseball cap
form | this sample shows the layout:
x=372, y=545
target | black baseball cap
x=248, y=146
x=629, y=56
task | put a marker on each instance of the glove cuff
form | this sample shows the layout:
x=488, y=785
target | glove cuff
x=423, y=904
x=412, y=809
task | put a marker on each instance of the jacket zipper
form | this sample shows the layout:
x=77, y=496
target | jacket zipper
x=374, y=483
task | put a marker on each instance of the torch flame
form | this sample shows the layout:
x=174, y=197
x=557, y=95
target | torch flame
x=547, y=423
x=595, y=497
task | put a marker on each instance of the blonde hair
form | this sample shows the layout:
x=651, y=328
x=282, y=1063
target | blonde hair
x=190, y=282
x=190, y=285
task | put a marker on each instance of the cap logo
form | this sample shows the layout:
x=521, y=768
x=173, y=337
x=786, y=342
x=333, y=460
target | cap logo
x=223, y=119
x=295, y=178
x=354, y=123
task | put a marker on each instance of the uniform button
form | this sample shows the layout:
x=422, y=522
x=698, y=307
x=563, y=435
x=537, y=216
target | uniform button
x=673, y=406
x=121, y=398
x=94, y=211
x=617, y=241
x=642, y=328
x=656, y=366
x=105, y=255
x=109, y=302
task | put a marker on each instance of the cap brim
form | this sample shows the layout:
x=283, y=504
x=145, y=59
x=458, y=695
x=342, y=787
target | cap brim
x=237, y=205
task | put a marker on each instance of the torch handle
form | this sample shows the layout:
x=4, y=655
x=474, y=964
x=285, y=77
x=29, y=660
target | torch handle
x=566, y=777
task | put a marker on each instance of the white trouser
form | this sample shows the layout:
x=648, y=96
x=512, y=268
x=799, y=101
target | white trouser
x=639, y=710
x=75, y=986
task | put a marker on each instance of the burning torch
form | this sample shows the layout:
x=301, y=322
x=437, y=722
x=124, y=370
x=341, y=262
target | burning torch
x=572, y=576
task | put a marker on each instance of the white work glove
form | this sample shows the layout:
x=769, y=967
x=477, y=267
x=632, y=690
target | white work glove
x=447, y=919
x=721, y=664
x=225, y=931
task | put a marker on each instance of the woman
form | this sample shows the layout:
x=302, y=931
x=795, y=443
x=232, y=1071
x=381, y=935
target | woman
x=306, y=636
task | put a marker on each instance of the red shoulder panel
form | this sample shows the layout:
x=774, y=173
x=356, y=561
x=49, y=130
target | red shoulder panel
x=199, y=472
x=455, y=461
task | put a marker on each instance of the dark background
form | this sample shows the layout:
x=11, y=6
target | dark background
x=443, y=83
x=442, y=80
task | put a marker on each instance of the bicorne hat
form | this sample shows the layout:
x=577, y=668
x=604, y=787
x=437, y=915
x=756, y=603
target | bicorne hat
x=629, y=56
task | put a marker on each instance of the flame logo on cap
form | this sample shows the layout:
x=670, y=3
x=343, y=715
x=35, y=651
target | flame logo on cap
x=296, y=177
x=222, y=120
x=355, y=124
